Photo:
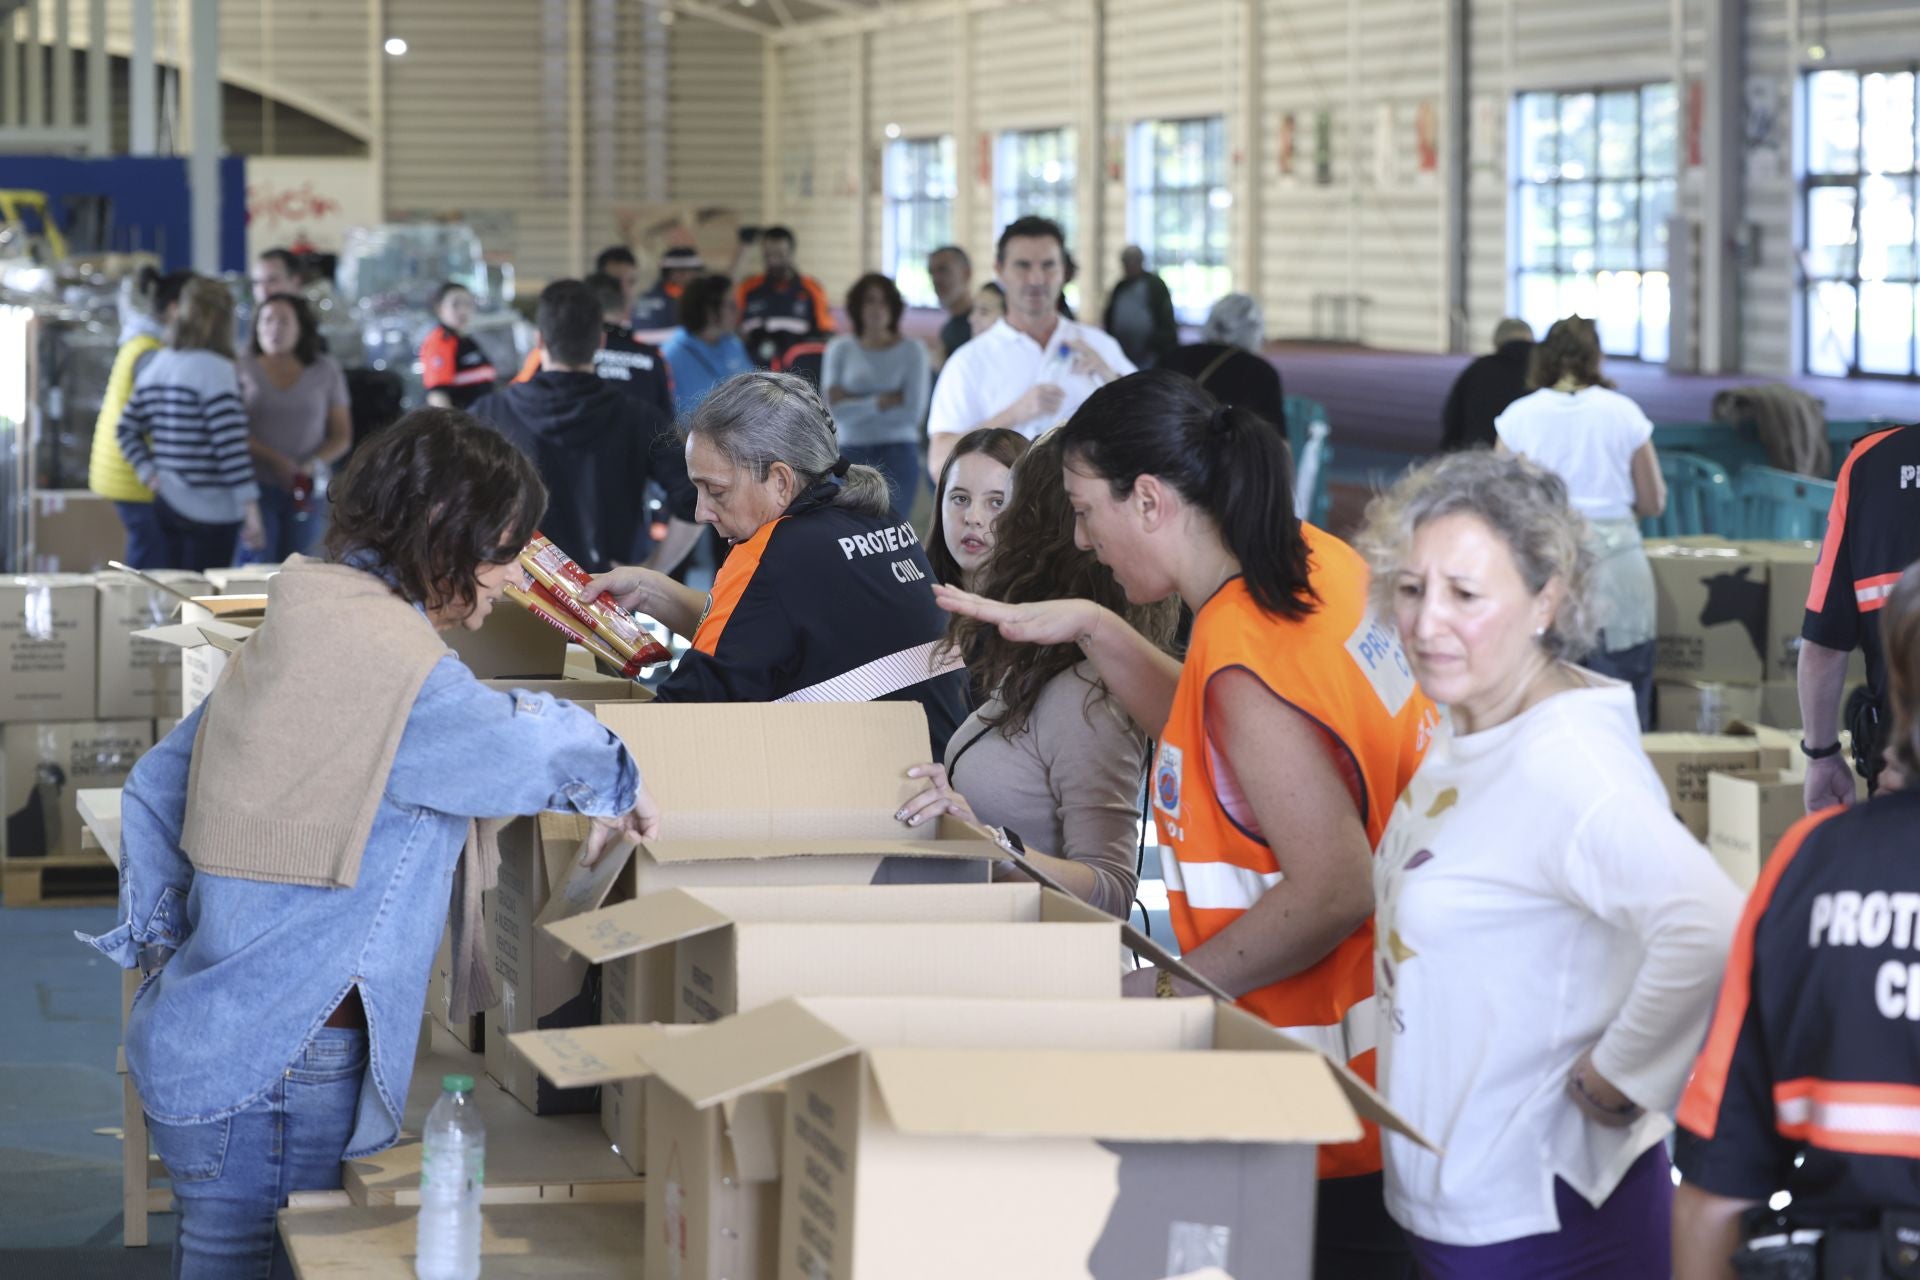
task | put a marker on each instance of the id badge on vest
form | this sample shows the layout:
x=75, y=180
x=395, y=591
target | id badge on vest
x=1166, y=790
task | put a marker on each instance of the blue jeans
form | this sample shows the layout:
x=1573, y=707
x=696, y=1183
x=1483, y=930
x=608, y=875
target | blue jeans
x=180, y=543
x=146, y=541
x=231, y=1176
x=901, y=464
x=287, y=533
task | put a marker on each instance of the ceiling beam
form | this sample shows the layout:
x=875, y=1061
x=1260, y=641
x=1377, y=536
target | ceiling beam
x=722, y=16
x=782, y=12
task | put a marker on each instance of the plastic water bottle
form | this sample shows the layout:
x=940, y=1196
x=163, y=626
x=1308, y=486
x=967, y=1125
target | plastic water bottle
x=453, y=1170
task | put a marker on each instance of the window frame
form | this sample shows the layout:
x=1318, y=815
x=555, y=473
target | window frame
x=1147, y=187
x=1524, y=185
x=1809, y=181
x=917, y=210
x=1021, y=196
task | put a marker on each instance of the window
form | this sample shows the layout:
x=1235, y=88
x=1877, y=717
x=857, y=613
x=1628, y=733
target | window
x=1593, y=191
x=1033, y=174
x=919, y=184
x=1860, y=259
x=1178, y=208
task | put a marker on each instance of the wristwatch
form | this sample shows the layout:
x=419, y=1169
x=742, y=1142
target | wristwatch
x=1819, y=753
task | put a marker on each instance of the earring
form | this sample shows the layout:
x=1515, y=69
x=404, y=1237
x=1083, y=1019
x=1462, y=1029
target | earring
x=1539, y=633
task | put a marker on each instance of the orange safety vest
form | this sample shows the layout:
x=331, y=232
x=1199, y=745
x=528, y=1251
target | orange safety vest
x=1343, y=669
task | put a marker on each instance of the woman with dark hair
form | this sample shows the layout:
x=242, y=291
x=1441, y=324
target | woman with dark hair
x=287, y=851
x=1805, y=1082
x=1052, y=761
x=1599, y=442
x=825, y=595
x=989, y=307
x=298, y=421
x=975, y=486
x=1285, y=735
x=184, y=432
x=877, y=385
x=453, y=368
x=706, y=349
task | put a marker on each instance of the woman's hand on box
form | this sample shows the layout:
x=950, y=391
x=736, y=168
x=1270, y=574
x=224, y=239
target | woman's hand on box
x=938, y=798
x=642, y=822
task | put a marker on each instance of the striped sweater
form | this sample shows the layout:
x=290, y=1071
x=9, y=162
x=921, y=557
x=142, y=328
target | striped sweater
x=185, y=432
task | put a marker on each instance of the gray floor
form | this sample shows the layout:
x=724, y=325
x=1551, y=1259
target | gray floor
x=59, y=1180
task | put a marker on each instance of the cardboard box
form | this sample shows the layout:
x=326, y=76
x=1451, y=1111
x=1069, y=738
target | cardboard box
x=1790, y=570
x=470, y=1032
x=737, y=949
x=904, y=1117
x=511, y=642
x=74, y=531
x=539, y=985
x=596, y=689
x=1711, y=614
x=1748, y=812
x=1685, y=761
x=1702, y=707
x=242, y=580
x=1780, y=704
x=140, y=676
x=43, y=769
x=49, y=638
x=680, y=751
x=210, y=629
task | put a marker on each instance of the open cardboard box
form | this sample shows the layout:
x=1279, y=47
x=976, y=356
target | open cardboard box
x=1175, y=1131
x=1685, y=761
x=720, y=769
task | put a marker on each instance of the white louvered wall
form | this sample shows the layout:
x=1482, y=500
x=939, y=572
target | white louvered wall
x=716, y=106
x=818, y=119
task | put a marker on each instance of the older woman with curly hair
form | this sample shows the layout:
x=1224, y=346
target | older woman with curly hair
x=1051, y=758
x=1548, y=936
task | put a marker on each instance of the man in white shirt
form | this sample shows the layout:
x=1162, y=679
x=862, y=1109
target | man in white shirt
x=1034, y=367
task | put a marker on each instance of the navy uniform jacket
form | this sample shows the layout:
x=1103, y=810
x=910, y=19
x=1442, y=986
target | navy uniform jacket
x=813, y=595
x=1810, y=1079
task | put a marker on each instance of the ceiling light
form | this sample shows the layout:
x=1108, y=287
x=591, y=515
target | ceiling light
x=893, y=131
x=395, y=46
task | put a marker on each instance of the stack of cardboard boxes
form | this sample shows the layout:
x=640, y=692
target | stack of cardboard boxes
x=1726, y=700
x=821, y=1035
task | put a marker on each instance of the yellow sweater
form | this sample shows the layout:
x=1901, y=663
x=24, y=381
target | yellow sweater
x=109, y=474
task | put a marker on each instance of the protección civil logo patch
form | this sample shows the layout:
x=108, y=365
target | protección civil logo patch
x=1166, y=780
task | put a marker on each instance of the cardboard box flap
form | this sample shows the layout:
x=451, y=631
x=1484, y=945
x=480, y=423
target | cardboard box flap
x=748, y=1052
x=195, y=635
x=755, y=1122
x=237, y=607
x=1218, y=1096
x=945, y=840
x=580, y=888
x=793, y=771
x=582, y=1056
x=639, y=924
x=932, y=1022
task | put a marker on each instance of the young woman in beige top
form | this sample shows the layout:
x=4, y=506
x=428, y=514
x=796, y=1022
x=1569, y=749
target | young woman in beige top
x=1050, y=758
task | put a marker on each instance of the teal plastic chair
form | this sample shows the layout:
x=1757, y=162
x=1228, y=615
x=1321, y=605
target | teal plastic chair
x=1307, y=434
x=1780, y=504
x=1700, y=499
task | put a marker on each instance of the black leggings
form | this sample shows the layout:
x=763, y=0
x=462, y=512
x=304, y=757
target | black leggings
x=1353, y=1238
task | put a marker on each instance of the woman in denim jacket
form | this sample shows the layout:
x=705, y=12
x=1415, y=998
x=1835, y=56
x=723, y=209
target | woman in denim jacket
x=288, y=852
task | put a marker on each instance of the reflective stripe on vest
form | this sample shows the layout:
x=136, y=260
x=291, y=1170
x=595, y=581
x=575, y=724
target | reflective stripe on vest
x=1217, y=886
x=1357, y=1032
x=1842, y=1115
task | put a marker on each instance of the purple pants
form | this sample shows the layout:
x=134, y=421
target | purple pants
x=1627, y=1238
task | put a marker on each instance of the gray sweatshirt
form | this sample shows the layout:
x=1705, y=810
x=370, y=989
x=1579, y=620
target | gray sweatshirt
x=867, y=374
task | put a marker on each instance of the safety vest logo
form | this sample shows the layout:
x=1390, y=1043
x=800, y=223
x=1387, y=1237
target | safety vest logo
x=1166, y=780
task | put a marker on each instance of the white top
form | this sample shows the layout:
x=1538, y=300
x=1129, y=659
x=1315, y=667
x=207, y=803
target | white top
x=1536, y=898
x=1587, y=438
x=989, y=373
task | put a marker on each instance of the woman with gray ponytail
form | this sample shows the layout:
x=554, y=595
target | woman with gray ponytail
x=826, y=595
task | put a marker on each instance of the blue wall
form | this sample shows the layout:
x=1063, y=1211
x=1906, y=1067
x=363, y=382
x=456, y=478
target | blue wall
x=150, y=200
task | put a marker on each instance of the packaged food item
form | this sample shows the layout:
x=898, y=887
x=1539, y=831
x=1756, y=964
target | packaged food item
x=560, y=592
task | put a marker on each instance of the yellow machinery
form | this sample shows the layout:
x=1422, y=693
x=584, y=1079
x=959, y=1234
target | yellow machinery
x=17, y=207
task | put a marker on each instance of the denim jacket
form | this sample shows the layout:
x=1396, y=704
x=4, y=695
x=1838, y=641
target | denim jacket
x=256, y=968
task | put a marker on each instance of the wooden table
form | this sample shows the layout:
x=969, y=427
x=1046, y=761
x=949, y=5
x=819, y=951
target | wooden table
x=517, y=1242
x=100, y=821
x=529, y=1158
